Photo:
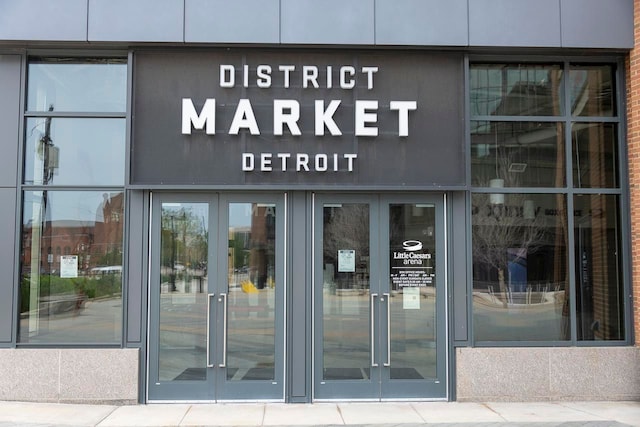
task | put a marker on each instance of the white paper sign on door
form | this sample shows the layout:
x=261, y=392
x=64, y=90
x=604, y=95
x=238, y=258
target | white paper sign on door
x=346, y=261
x=411, y=298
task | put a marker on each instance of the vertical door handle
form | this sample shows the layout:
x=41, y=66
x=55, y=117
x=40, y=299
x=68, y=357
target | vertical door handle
x=372, y=331
x=209, y=364
x=388, y=363
x=223, y=298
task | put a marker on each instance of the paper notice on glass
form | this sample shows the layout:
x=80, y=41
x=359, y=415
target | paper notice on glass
x=346, y=261
x=68, y=266
x=411, y=298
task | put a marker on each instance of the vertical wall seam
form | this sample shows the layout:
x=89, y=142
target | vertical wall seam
x=59, y=375
x=560, y=22
x=468, y=25
x=87, y=21
x=375, y=28
x=280, y=21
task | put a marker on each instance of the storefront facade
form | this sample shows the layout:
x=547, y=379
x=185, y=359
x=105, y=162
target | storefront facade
x=232, y=203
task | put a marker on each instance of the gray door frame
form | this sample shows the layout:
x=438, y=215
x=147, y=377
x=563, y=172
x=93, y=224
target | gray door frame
x=380, y=386
x=216, y=387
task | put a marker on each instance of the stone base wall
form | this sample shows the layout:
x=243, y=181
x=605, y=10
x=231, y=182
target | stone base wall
x=547, y=374
x=70, y=375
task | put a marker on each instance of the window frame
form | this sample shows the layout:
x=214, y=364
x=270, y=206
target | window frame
x=23, y=187
x=569, y=190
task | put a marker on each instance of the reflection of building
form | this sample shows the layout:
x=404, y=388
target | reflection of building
x=97, y=243
x=60, y=238
x=263, y=237
x=251, y=248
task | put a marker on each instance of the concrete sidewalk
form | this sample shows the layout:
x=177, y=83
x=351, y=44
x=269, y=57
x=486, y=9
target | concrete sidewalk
x=334, y=414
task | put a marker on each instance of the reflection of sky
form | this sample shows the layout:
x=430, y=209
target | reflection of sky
x=78, y=87
x=240, y=214
x=91, y=151
x=85, y=206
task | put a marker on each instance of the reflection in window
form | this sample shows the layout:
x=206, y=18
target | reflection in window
x=251, y=292
x=412, y=306
x=515, y=90
x=520, y=274
x=77, y=85
x=76, y=297
x=595, y=155
x=519, y=240
x=345, y=293
x=517, y=154
x=73, y=294
x=592, y=91
x=183, y=291
x=600, y=300
x=78, y=151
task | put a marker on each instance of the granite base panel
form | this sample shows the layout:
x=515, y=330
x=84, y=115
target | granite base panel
x=70, y=375
x=547, y=374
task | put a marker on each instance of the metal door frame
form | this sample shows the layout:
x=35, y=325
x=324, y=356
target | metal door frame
x=398, y=389
x=379, y=283
x=209, y=390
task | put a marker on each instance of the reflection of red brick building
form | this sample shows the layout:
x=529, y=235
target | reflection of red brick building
x=96, y=243
x=262, y=244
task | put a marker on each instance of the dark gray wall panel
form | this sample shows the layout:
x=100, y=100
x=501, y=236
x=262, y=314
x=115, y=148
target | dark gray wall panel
x=299, y=317
x=136, y=261
x=7, y=249
x=388, y=159
x=458, y=239
x=139, y=20
x=523, y=23
x=327, y=21
x=9, y=118
x=422, y=22
x=60, y=20
x=239, y=21
x=597, y=23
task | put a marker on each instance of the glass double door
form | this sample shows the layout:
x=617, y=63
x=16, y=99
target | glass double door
x=216, y=297
x=379, y=297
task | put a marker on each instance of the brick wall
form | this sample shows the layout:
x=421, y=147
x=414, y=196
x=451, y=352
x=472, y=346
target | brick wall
x=633, y=140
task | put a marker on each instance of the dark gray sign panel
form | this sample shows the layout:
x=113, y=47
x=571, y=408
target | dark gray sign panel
x=301, y=119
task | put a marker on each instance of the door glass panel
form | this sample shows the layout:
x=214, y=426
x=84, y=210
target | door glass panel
x=183, y=292
x=412, y=311
x=252, y=290
x=345, y=294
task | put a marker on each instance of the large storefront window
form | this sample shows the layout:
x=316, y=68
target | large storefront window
x=71, y=286
x=520, y=267
x=542, y=147
x=73, y=202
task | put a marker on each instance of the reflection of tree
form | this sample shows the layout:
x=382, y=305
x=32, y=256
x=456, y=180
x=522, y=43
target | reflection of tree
x=190, y=236
x=346, y=227
x=184, y=242
x=500, y=231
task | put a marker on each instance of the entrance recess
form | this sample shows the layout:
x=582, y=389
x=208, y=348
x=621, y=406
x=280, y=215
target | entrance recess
x=217, y=297
x=379, y=297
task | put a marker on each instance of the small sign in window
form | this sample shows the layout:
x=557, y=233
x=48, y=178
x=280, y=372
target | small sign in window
x=69, y=266
x=346, y=261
